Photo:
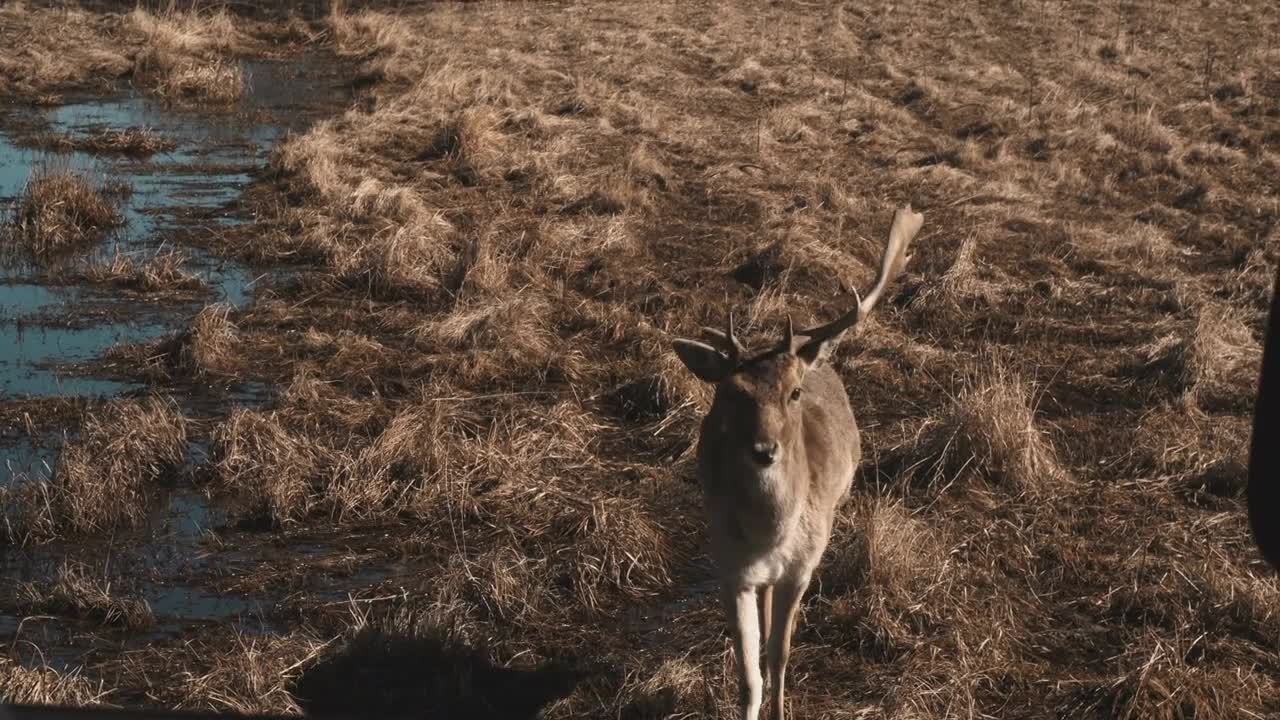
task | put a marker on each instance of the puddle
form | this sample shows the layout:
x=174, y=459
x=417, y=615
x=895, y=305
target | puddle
x=50, y=332
x=28, y=459
x=195, y=185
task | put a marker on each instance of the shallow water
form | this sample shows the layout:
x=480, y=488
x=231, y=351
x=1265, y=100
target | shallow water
x=49, y=333
x=213, y=161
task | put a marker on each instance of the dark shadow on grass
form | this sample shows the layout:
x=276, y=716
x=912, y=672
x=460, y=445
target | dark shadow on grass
x=384, y=675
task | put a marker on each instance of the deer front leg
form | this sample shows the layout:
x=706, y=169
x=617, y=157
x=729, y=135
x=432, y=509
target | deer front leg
x=789, y=592
x=740, y=604
x=765, y=593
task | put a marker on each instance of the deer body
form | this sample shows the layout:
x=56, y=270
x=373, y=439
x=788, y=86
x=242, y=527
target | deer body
x=776, y=456
x=766, y=522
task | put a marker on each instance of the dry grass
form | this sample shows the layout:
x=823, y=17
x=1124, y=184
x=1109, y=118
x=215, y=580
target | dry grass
x=988, y=430
x=210, y=347
x=1214, y=363
x=442, y=463
x=41, y=63
x=495, y=243
x=75, y=592
x=184, y=55
x=162, y=272
x=21, y=685
x=888, y=580
x=246, y=674
x=960, y=293
x=215, y=81
x=135, y=142
x=59, y=210
x=104, y=475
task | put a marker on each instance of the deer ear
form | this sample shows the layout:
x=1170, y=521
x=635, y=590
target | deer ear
x=708, y=363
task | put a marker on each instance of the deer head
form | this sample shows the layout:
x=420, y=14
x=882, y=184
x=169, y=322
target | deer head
x=757, y=408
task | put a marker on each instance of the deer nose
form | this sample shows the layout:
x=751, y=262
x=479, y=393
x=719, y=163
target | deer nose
x=764, y=453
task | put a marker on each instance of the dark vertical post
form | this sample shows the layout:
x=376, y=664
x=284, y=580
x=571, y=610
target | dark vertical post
x=1264, y=455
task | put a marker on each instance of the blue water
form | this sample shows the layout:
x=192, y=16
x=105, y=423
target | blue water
x=48, y=331
x=202, y=176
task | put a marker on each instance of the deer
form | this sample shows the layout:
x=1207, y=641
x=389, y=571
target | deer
x=776, y=456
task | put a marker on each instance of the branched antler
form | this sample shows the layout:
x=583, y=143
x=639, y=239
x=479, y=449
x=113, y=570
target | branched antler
x=906, y=223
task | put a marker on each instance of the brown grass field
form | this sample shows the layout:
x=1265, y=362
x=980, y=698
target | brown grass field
x=480, y=264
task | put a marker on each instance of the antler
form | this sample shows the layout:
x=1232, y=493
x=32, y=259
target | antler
x=906, y=224
x=728, y=340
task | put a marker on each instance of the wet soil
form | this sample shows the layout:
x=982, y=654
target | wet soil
x=194, y=567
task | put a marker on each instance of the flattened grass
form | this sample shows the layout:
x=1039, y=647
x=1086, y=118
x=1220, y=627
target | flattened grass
x=75, y=592
x=163, y=272
x=136, y=142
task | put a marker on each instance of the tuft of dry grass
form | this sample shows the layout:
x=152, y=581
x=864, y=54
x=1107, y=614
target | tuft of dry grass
x=208, y=347
x=76, y=593
x=163, y=272
x=958, y=294
x=59, y=210
x=989, y=430
x=887, y=579
x=46, y=686
x=215, y=81
x=103, y=476
x=135, y=142
x=1213, y=363
x=248, y=674
x=184, y=55
x=270, y=470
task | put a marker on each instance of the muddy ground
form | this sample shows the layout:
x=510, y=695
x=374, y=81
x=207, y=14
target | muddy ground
x=363, y=382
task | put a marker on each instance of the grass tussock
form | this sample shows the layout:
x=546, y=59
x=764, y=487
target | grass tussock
x=990, y=431
x=888, y=579
x=103, y=476
x=138, y=142
x=60, y=210
x=75, y=592
x=214, y=81
x=163, y=272
x=246, y=674
x=1213, y=363
x=365, y=34
x=959, y=293
x=21, y=685
x=208, y=347
x=184, y=55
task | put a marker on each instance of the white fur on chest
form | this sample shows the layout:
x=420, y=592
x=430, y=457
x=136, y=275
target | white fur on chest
x=785, y=550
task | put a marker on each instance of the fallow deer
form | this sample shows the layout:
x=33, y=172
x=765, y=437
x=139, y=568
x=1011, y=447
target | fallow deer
x=776, y=456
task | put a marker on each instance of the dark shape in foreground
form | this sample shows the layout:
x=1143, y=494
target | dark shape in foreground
x=384, y=675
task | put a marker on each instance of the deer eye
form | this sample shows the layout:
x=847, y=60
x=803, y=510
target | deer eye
x=795, y=395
